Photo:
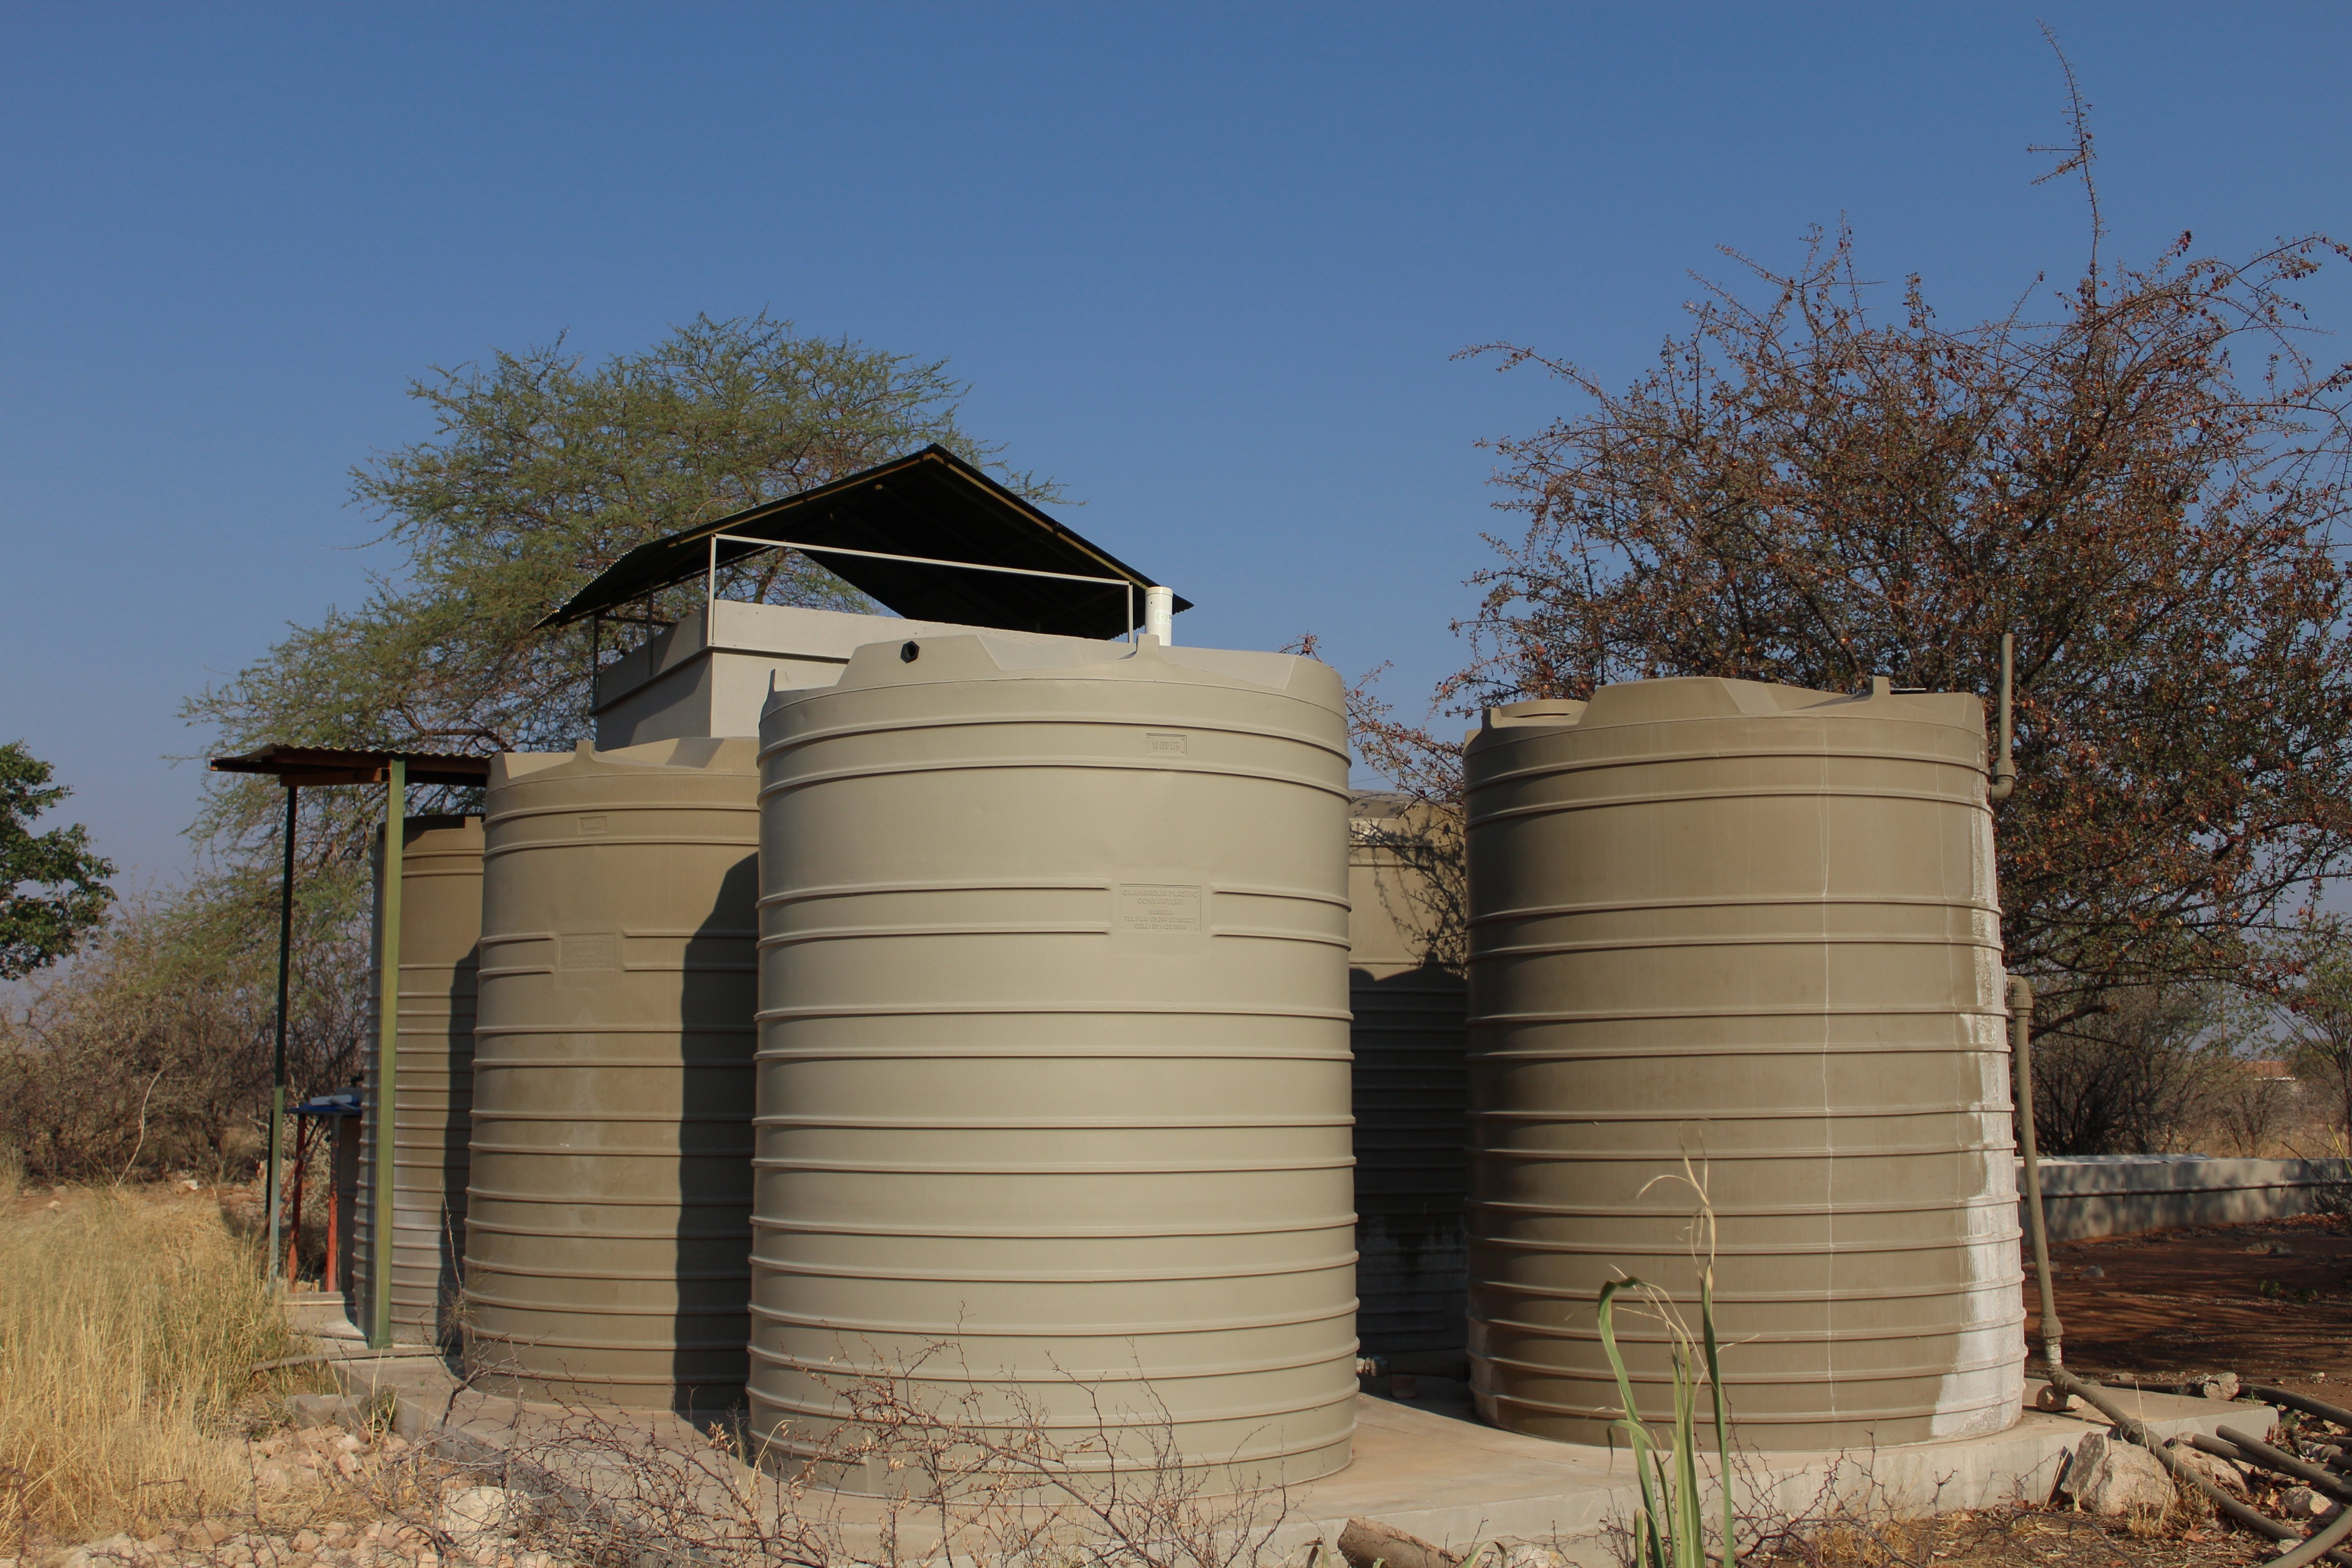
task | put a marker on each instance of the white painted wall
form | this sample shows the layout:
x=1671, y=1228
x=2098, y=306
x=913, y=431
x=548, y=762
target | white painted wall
x=2123, y=1194
x=683, y=683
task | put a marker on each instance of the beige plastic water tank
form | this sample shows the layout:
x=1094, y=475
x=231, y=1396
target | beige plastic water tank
x=1754, y=927
x=1053, y=1053
x=606, y=1256
x=1405, y=986
x=440, y=920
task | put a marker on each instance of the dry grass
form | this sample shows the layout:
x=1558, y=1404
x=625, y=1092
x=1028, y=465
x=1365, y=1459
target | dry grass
x=130, y=1323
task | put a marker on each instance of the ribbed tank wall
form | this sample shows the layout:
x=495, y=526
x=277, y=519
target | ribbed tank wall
x=612, y=1072
x=1753, y=927
x=344, y=1168
x=440, y=921
x=1410, y=1089
x=1054, y=1052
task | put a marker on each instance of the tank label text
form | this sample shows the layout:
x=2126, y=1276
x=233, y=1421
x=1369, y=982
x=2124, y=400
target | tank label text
x=588, y=950
x=1158, y=907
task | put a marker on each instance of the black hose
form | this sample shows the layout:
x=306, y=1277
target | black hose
x=2230, y=1507
x=2320, y=1544
x=2302, y=1402
x=2253, y=1451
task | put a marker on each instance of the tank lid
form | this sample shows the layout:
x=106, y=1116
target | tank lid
x=726, y=753
x=921, y=660
x=1681, y=698
x=1538, y=711
x=416, y=827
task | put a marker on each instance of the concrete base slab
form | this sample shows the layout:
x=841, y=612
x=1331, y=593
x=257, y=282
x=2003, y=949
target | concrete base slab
x=321, y=1315
x=1446, y=1480
x=1454, y=1482
x=418, y=1376
x=1423, y=1463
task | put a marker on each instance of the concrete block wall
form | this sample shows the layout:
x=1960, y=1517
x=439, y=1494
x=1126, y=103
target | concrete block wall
x=2123, y=1194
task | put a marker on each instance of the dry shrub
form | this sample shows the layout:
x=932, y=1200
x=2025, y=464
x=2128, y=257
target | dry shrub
x=2255, y=1112
x=983, y=1477
x=2127, y=1075
x=153, y=1052
x=129, y=1328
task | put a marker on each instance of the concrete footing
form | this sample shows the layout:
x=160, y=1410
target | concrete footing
x=1454, y=1482
x=1445, y=1480
x=1421, y=1465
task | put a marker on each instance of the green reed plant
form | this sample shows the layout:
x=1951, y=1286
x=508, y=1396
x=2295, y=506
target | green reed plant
x=1670, y=1531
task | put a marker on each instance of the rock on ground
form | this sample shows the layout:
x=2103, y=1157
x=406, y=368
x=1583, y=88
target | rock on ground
x=481, y=1519
x=2302, y=1503
x=2111, y=1477
x=309, y=1410
x=2214, y=1470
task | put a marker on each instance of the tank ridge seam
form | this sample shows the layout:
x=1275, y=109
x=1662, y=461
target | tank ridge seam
x=1042, y=1168
x=1050, y=764
x=1191, y=724
x=971, y=1330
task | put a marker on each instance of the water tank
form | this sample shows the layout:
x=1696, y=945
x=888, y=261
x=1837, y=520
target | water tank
x=1753, y=927
x=1053, y=1053
x=440, y=920
x=1405, y=986
x=612, y=1076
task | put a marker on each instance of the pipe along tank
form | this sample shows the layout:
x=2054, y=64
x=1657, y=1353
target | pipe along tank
x=1406, y=990
x=1053, y=1062
x=1754, y=928
x=440, y=920
x=605, y=1259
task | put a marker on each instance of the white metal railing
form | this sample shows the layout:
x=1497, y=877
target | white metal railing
x=711, y=573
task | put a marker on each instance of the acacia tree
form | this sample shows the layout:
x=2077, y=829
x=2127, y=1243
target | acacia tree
x=2146, y=486
x=541, y=472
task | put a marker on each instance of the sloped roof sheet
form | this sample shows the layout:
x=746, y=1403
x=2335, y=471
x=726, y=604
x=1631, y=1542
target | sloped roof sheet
x=930, y=503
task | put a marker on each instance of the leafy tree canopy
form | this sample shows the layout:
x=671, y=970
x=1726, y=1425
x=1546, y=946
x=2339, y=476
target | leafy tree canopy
x=542, y=471
x=53, y=889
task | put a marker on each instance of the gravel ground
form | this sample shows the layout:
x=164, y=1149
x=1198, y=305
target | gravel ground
x=322, y=1498
x=2272, y=1302
x=2027, y=1538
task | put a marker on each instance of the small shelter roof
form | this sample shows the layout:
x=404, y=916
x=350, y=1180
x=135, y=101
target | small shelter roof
x=932, y=504
x=301, y=767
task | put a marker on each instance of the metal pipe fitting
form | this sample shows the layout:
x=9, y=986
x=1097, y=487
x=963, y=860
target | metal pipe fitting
x=2020, y=1034
x=2004, y=768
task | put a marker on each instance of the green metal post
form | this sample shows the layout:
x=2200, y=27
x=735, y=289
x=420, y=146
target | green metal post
x=383, y=1102
x=274, y=1189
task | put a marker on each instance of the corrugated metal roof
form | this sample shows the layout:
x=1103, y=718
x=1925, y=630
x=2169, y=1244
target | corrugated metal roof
x=933, y=504
x=306, y=766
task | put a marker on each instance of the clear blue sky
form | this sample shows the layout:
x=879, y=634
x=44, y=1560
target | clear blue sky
x=1205, y=265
